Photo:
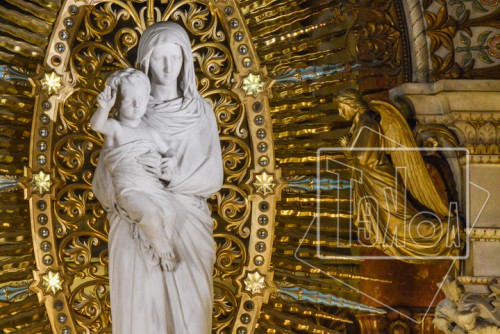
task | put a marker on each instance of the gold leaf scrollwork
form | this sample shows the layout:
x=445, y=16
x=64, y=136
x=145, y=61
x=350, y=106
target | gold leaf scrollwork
x=198, y=20
x=224, y=309
x=228, y=111
x=215, y=62
x=86, y=254
x=72, y=206
x=72, y=154
x=88, y=60
x=78, y=108
x=91, y=303
x=231, y=255
x=234, y=208
x=235, y=158
x=100, y=21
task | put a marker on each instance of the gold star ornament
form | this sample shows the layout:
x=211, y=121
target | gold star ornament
x=264, y=183
x=52, y=282
x=254, y=283
x=41, y=182
x=253, y=84
x=51, y=83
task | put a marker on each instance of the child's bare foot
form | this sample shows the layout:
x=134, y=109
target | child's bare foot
x=167, y=261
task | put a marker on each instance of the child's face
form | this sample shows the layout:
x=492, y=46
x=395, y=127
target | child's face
x=133, y=103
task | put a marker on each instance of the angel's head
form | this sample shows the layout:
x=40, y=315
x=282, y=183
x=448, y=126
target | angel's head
x=350, y=102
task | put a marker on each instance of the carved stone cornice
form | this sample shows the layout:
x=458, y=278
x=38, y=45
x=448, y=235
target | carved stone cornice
x=476, y=280
x=470, y=108
x=485, y=234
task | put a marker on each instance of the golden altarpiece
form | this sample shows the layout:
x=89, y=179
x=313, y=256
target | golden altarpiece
x=271, y=70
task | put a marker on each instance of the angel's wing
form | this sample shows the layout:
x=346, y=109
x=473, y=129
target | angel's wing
x=398, y=135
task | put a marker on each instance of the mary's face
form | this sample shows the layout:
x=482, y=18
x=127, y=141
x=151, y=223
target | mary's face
x=165, y=64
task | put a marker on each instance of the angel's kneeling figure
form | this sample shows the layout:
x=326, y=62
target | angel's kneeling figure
x=390, y=218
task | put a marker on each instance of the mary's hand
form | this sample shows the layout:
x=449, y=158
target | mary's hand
x=168, y=168
x=163, y=168
x=151, y=161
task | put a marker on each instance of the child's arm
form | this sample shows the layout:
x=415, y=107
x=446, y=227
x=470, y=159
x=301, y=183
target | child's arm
x=99, y=120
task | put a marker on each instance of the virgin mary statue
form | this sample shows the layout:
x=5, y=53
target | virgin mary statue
x=148, y=299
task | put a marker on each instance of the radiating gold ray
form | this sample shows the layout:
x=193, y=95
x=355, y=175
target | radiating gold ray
x=53, y=5
x=17, y=60
x=35, y=25
x=262, y=13
x=251, y=6
x=314, y=199
x=268, y=327
x=318, y=267
x=286, y=19
x=304, y=87
x=294, y=322
x=39, y=12
x=28, y=36
x=285, y=36
x=312, y=158
x=295, y=308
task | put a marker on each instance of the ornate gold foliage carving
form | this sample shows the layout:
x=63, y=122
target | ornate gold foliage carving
x=224, y=307
x=91, y=304
x=378, y=42
x=231, y=254
x=233, y=207
x=462, y=40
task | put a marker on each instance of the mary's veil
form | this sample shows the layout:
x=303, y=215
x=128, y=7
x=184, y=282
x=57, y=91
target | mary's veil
x=169, y=32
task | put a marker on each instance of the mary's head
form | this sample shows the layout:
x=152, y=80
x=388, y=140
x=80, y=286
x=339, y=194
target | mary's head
x=165, y=55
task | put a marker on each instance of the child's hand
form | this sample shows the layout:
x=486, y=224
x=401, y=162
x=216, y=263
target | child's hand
x=106, y=99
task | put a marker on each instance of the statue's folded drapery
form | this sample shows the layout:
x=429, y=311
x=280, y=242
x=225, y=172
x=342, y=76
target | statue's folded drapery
x=145, y=298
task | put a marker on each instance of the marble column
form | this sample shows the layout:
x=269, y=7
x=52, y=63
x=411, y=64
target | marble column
x=466, y=113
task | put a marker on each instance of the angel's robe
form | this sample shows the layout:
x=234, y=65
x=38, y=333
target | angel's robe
x=381, y=205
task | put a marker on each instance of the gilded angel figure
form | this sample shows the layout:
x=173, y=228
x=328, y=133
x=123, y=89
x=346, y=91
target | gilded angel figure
x=381, y=149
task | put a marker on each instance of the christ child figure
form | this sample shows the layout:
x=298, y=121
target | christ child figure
x=140, y=194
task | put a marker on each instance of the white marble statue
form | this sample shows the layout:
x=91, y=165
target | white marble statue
x=468, y=313
x=140, y=195
x=161, y=247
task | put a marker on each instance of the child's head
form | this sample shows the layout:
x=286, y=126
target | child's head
x=132, y=89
